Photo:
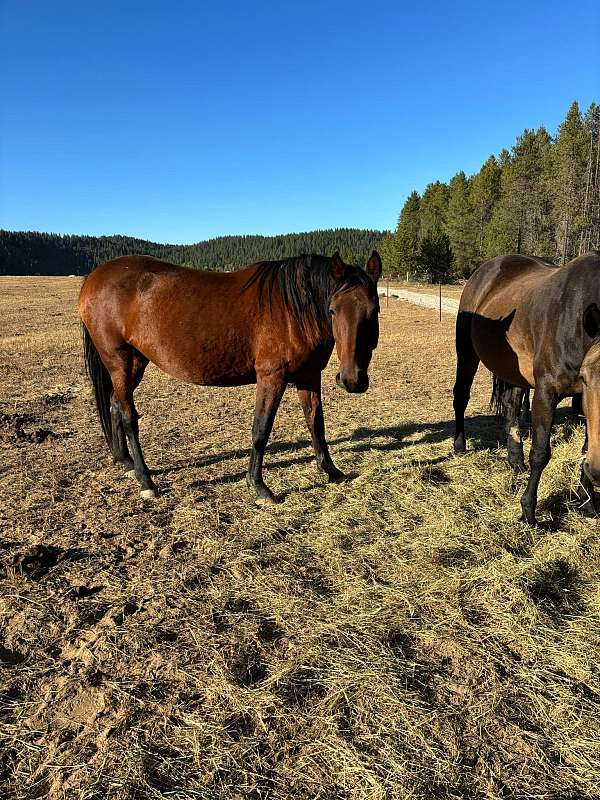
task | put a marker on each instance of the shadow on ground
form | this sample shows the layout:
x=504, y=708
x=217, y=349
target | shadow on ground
x=484, y=432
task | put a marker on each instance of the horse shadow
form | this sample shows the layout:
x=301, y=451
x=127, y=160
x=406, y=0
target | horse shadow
x=484, y=431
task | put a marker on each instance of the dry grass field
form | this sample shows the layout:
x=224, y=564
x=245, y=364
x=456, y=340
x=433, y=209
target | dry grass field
x=400, y=635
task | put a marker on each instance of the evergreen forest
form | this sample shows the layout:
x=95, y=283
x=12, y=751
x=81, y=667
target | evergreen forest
x=541, y=197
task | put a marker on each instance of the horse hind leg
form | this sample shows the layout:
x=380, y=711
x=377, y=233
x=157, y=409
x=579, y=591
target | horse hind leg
x=127, y=370
x=467, y=362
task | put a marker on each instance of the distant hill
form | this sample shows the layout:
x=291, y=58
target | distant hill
x=32, y=253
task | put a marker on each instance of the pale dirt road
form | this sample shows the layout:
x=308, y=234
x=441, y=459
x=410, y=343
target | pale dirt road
x=449, y=305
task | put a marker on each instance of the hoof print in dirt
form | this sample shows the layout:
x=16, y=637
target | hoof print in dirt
x=435, y=476
x=300, y=687
x=247, y=668
x=35, y=563
x=238, y=726
x=10, y=658
x=25, y=428
x=82, y=592
x=556, y=589
x=270, y=632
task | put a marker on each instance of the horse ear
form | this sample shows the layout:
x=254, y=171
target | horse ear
x=337, y=266
x=374, y=266
x=591, y=320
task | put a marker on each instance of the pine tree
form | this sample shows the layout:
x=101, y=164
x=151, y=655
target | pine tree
x=485, y=191
x=590, y=215
x=460, y=225
x=434, y=206
x=521, y=221
x=567, y=182
x=436, y=257
x=389, y=254
x=407, y=236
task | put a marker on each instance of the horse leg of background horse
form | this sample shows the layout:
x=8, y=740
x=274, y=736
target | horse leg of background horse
x=467, y=362
x=577, y=407
x=269, y=392
x=126, y=371
x=542, y=415
x=525, y=415
x=512, y=400
x=310, y=400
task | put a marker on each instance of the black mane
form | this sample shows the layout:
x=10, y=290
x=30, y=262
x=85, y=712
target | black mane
x=306, y=286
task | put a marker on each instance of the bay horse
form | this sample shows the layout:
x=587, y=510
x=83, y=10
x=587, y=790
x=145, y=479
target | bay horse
x=270, y=324
x=534, y=326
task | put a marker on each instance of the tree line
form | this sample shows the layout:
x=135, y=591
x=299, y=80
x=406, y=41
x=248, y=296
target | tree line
x=32, y=253
x=541, y=198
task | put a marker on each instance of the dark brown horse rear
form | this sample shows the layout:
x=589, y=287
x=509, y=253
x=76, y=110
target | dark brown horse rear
x=271, y=324
x=534, y=326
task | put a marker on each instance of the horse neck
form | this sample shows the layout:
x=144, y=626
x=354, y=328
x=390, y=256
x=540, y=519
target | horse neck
x=314, y=326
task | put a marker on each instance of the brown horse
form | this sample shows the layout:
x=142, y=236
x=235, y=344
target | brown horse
x=273, y=323
x=537, y=326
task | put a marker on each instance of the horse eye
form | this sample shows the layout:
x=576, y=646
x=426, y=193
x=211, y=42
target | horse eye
x=331, y=312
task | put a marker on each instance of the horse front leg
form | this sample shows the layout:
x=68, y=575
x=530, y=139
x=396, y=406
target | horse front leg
x=269, y=392
x=585, y=491
x=312, y=405
x=542, y=416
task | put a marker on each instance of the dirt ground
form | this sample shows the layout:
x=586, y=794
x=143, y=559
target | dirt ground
x=399, y=635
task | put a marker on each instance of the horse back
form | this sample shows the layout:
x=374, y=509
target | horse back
x=524, y=317
x=503, y=280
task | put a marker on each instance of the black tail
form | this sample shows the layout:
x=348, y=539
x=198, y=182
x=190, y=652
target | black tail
x=497, y=400
x=100, y=378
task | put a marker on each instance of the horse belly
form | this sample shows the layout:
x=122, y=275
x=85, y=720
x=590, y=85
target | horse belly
x=224, y=360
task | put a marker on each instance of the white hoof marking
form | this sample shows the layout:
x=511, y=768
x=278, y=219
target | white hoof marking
x=148, y=494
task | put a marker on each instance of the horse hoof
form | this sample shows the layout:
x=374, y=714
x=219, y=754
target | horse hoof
x=148, y=494
x=529, y=520
x=460, y=444
x=130, y=473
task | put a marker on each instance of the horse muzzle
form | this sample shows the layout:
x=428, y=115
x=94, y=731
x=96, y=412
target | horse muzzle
x=358, y=385
x=592, y=471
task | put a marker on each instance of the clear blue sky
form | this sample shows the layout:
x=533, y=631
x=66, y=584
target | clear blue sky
x=179, y=121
